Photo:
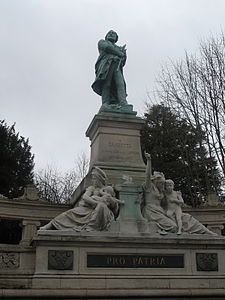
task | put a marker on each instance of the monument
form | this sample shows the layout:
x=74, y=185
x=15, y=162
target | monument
x=138, y=243
x=125, y=235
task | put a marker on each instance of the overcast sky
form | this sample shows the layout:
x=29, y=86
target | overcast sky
x=48, y=49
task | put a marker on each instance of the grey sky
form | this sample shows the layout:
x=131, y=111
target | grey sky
x=48, y=49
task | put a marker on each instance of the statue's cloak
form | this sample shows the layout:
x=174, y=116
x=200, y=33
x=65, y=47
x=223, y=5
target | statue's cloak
x=102, y=68
x=106, y=63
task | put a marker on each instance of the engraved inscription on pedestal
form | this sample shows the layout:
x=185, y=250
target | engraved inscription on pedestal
x=120, y=149
x=135, y=261
x=207, y=261
x=60, y=260
x=9, y=260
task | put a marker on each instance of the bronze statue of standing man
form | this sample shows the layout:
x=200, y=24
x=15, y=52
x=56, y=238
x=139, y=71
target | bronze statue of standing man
x=109, y=82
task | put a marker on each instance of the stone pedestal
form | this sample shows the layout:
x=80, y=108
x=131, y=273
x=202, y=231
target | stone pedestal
x=120, y=265
x=29, y=230
x=115, y=146
x=130, y=219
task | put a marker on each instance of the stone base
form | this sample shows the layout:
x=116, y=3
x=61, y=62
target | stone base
x=115, y=108
x=108, y=265
x=115, y=146
x=129, y=227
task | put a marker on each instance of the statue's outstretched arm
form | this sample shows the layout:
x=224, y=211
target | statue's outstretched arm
x=148, y=173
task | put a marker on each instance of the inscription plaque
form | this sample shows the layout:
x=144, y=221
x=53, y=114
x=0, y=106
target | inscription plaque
x=60, y=260
x=120, y=149
x=135, y=261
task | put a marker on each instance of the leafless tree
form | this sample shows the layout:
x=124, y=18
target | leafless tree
x=56, y=186
x=195, y=88
x=81, y=166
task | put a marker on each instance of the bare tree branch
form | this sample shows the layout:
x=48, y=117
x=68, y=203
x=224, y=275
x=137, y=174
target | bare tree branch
x=195, y=89
x=56, y=186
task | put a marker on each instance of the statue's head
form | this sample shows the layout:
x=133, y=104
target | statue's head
x=158, y=179
x=169, y=185
x=109, y=189
x=98, y=177
x=111, y=36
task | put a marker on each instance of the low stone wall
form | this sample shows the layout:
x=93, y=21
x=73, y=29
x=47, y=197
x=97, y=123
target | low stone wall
x=104, y=265
x=29, y=214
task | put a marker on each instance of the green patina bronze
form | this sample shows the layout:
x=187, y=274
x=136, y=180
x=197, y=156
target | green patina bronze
x=109, y=82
